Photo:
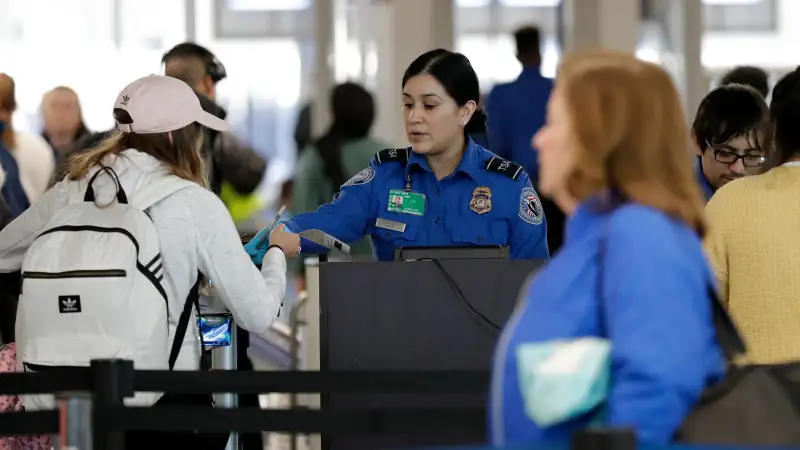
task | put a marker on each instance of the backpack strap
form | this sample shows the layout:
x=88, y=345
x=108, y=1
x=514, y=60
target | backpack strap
x=121, y=197
x=193, y=300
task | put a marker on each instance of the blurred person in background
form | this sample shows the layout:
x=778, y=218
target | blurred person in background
x=236, y=168
x=25, y=158
x=302, y=139
x=754, y=238
x=751, y=76
x=344, y=150
x=62, y=119
x=515, y=112
x=731, y=134
x=8, y=302
x=632, y=273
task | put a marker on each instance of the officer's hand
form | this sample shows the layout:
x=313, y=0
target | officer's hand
x=288, y=242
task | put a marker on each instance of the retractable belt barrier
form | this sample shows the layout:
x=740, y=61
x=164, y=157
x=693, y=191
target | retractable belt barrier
x=92, y=415
x=108, y=382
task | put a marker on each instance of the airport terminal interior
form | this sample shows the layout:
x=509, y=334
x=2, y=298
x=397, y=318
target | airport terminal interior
x=283, y=58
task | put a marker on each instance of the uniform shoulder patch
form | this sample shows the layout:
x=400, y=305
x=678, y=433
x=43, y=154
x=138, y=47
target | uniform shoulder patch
x=530, y=207
x=503, y=167
x=363, y=177
x=393, y=154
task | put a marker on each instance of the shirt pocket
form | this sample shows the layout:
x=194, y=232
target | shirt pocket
x=401, y=227
x=493, y=232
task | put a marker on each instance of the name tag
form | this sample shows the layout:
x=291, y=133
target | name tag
x=390, y=225
x=406, y=202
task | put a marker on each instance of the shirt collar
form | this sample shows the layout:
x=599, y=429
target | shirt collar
x=471, y=162
x=585, y=215
x=530, y=72
x=591, y=212
x=705, y=185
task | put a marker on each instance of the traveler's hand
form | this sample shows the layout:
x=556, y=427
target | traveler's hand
x=255, y=251
x=288, y=242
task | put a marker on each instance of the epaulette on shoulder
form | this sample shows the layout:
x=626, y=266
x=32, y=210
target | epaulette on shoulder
x=499, y=165
x=393, y=155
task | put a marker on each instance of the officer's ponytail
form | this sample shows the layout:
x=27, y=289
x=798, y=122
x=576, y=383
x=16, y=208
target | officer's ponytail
x=476, y=124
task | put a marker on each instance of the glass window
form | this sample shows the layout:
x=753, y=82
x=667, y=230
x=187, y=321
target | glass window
x=531, y=3
x=65, y=23
x=263, y=103
x=742, y=15
x=268, y=5
x=141, y=28
x=472, y=3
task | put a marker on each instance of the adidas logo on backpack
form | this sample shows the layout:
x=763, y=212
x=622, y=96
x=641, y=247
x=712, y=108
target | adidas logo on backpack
x=91, y=289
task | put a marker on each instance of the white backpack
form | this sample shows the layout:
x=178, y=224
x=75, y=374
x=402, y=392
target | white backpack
x=91, y=289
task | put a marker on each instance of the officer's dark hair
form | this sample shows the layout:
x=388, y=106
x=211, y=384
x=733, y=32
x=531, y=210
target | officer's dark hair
x=750, y=76
x=353, y=111
x=785, y=114
x=455, y=73
x=731, y=111
x=528, y=41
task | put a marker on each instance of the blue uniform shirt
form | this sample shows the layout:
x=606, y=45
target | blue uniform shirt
x=486, y=201
x=654, y=295
x=515, y=112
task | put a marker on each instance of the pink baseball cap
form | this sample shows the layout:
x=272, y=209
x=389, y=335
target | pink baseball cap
x=159, y=104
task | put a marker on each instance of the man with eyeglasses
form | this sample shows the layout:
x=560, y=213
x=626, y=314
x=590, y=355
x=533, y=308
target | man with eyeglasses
x=729, y=131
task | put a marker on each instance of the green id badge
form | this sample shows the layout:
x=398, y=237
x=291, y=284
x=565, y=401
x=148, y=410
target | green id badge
x=406, y=202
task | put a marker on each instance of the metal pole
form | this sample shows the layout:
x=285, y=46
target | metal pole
x=295, y=322
x=75, y=421
x=233, y=442
x=112, y=381
x=226, y=358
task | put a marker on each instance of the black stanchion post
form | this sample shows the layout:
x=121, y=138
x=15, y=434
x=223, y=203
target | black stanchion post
x=112, y=381
x=604, y=439
x=75, y=409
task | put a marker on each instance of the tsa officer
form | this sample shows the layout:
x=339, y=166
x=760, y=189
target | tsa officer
x=444, y=190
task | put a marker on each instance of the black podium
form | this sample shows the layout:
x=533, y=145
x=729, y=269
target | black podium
x=417, y=316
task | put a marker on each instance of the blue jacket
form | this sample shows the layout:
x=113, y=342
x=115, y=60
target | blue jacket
x=658, y=313
x=515, y=112
x=12, y=190
x=486, y=201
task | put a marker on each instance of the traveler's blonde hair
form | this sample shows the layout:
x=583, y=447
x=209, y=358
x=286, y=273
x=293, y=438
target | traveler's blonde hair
x=178, y=150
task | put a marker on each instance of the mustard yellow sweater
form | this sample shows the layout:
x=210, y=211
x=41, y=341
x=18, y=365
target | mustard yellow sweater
x=754, y=246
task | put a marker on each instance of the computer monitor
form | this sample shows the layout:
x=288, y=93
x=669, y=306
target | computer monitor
x=439, y=253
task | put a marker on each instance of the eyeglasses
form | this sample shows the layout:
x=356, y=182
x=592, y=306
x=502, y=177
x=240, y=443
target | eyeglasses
x=727, y=157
